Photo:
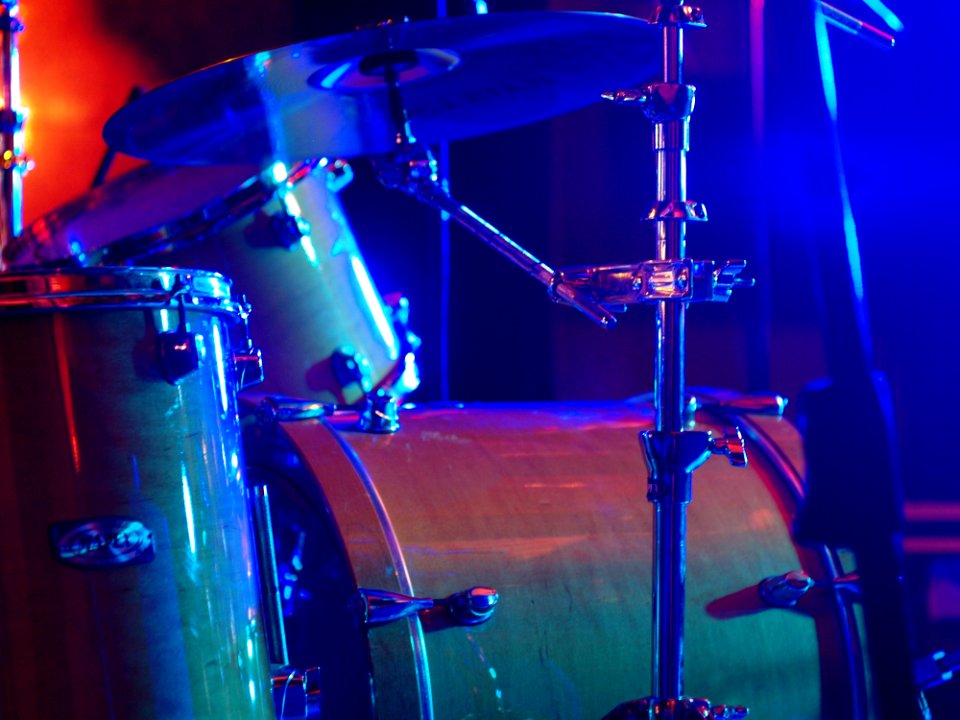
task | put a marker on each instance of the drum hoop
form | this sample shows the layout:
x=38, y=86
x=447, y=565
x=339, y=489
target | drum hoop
x=792, y=477
x=117, y=288
x=209, y=218
x=417, y=639
x=187, y=229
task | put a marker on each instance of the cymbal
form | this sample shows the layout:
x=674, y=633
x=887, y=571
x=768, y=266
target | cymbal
x=457, y=77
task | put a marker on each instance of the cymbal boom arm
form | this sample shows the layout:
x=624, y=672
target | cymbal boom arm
x=412, y=169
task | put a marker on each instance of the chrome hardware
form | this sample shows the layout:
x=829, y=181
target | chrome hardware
x=688, y=211
x=249, y=367
x=339, y=174
x=730, y=445
x=729, y=712
x=676, y=709
x=413, y=170
x=258, y=500
x=768, y=404
x=936, y=668
x=276, y=408
x=351, y=367
x=408, y=378
x=248, y=362
x=671, y=454
x=670, y=14
x=472, y=606
x=785, y=590
x=14, y=162
x=178, y=351
x=379, y=413
x=296, y=693
x=287, y=229
x=655, y=280
x=178, y=355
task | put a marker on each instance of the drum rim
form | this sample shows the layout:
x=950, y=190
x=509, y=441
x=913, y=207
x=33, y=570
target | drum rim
x=117, y=287
x=250, y=192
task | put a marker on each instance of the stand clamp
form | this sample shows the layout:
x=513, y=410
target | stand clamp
x=654, y=280
x=670, y=454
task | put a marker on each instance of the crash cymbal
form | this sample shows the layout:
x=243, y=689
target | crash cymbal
x=458, y=78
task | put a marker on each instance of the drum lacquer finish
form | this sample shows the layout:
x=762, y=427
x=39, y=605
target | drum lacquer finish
x=547, y=505
x=283, y=240
x=127, y=586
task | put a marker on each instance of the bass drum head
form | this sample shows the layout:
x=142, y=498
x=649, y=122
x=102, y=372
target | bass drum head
x=546, y=504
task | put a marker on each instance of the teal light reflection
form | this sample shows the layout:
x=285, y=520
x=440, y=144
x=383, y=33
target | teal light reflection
x=188, y=510
x=372, y=302
x=221, y=367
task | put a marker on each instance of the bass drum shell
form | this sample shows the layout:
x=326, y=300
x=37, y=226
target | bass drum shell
x=547, y=505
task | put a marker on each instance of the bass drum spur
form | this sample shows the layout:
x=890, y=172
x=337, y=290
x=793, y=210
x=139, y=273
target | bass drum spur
x=546, y=505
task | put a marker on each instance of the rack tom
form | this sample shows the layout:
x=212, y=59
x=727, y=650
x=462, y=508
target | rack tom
x=281, y=236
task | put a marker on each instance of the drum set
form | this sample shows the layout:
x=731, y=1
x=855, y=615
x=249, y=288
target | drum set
x=212, y=505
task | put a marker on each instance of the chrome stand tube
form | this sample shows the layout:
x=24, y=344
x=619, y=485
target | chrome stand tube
x=670, y=510
x=11, y=127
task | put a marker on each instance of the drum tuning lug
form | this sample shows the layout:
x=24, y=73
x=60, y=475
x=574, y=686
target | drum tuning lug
x=472, y=606
x=339, y=174
x=731, y=445
x=351, y=367
x=785, y=591
x=296, y=693
x=379, y=413
x=288, y=229
x=276, y=408
x=178, y=355
x=249, y=367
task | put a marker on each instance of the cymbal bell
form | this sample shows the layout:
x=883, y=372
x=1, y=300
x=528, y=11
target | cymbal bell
x=457, y=78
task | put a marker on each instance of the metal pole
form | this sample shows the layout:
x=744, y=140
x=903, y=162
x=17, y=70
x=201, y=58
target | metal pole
x=11, y=127
x=670, y=513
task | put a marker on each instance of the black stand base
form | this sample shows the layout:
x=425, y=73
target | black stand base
x=683, y=709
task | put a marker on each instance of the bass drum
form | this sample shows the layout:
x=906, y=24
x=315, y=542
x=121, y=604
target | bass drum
x=547, y=505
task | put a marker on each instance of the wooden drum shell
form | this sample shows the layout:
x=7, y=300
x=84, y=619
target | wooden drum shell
x=90, y=430
x=546, y=503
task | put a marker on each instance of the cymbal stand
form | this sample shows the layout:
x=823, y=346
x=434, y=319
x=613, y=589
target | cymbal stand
x=670, y=281
x=412, y=169
x=12, y=161
x=672, y=452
